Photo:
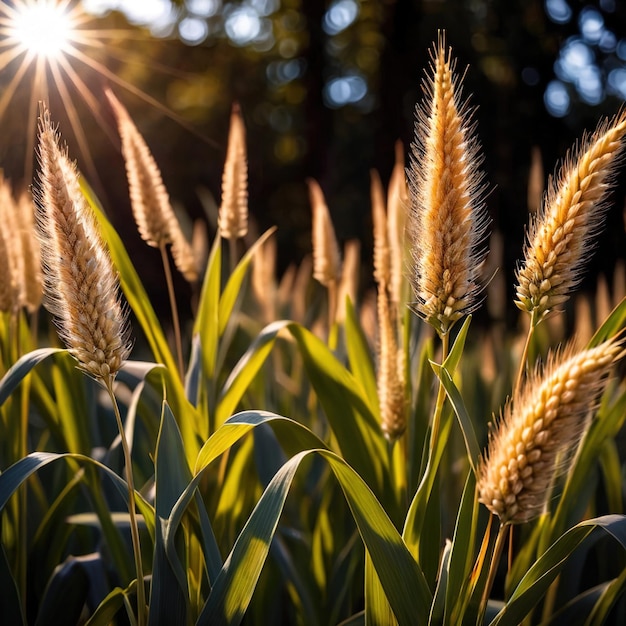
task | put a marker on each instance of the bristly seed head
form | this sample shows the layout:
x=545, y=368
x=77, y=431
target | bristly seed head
x=81, y=287
x=543, y=423
x=448, y=219
x=561, y=235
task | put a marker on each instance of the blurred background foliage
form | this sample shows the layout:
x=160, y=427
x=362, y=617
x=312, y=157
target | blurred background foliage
x=326, y=90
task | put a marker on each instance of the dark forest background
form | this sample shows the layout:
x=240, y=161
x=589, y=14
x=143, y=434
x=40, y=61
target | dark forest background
x=327, y=100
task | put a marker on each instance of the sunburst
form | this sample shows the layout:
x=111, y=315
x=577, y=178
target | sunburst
x=51, y=46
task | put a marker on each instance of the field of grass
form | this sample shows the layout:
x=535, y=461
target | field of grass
x=303, y=452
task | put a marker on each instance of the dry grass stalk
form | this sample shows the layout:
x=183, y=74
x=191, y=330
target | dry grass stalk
x=233, y=212
x=263, y=280
x=326, y=257
x=6, y=275
x=11, y=256
x=81, y=285
x=32, y=278
x=156, y=221
x=541, y=424
x=390, y=375
x=350, y=274
x=561, y=235
x=397, y=203
x=448, y=220
x=535, y=180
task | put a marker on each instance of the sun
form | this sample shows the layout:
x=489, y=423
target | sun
x=54, y=51
x=44, y=28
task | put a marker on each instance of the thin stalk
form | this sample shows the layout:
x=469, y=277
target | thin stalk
x=493, y=568
x=524, y=358
x=441, y=397
x=174, y=307
x=134, y=528
x=232, y=254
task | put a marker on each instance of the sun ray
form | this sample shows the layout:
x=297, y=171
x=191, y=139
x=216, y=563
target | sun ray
x=57, y=45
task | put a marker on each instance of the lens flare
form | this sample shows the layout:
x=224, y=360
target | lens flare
x=53, y=50
x=44, y=28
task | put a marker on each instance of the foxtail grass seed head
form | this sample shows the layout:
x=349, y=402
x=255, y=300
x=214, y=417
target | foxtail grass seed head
x=326, y=256
x=561, y=236
x=382, y=253
x=81, y=285
x=350, y=274
x=233, y=212
x=448, y=220
x=156, y=221
x=32, y=278
x=6, y=275
x=397, y=204
x=544, y=422
x=11, y=256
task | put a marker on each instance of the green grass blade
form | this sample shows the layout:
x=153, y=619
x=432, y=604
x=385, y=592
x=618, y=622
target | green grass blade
x=462, y=554
x=544, y=571
x=613, y=324
x=465, y=421
x=377, y=607
x=10, y=605
x=399, y=574
x=169, y=590
x=233, y=286
x=360, y=357
x=21, y=368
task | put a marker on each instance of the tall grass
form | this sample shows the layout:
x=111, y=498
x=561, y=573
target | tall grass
x=298, y=454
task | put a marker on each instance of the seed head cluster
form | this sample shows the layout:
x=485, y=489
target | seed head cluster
x=81, y=287
x=156, y=221
x=540, y=425
x=448, y=219
x=561, y=236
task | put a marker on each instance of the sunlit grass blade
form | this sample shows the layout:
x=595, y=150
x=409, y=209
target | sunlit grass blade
x=347, y=409
x=462, y=553
x=611, y=326
x=105, y=614
x=611, y=592
x=377, y=609
x=360, y=357
x=545, y=570
x=404, y=585
x=232, y=289
x=465, y=421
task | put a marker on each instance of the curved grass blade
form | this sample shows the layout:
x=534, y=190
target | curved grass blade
x=17, y=473
x=21, y=368
x=613, y=324
x=169, y=589
x=348, y=411
x=233, y=286
x=544, y=571
x=360, y=357
x=465, y=421
x=399, y=574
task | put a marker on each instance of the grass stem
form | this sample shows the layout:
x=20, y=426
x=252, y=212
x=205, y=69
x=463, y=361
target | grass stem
x=134, y=528
x=174, y=307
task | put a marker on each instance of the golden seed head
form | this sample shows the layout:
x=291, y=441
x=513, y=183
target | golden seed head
x=81, y=285
x=544, y=422
x=326, y=257
x=233, y=212
x=561, y=236
x=448, y=220
x=390, y=375
x=350, y=274
x=156, y=221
